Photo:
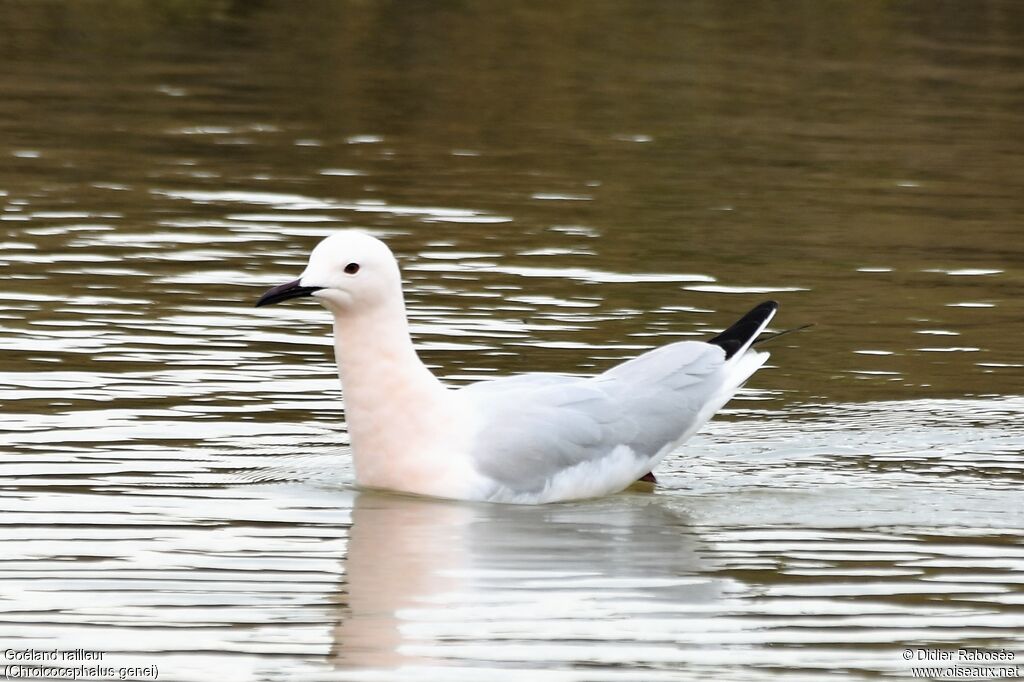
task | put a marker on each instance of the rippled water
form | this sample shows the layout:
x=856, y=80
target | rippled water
x=565, y=187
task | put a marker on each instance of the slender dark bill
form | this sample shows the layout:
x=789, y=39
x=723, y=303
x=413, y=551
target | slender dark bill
x=285, y=291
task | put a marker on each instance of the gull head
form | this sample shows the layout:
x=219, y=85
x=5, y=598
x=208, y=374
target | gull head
x=347, y=271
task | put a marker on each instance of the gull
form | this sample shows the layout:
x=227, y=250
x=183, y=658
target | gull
x=526, y=439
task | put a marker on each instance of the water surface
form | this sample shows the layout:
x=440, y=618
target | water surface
x=565, y=187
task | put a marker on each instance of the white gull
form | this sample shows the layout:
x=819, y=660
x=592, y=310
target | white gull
x=526, y=439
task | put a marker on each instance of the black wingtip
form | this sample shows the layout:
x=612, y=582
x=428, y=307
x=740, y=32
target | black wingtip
x=742, y=333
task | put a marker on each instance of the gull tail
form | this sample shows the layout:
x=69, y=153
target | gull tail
x=735, y=341
x=744, y=332
x=741, y=359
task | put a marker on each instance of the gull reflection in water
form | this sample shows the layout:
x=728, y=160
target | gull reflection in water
x=430, y=581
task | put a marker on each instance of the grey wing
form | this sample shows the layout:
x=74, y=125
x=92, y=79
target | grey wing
x=664, y=392
x=536, y=425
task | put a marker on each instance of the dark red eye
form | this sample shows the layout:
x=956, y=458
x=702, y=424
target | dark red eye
x=352, y=268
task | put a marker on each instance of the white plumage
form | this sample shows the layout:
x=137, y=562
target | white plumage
x=526, y=439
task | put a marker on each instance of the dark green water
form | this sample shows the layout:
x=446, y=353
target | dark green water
x=566, y=185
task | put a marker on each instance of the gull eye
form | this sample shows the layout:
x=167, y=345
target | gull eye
x=352, y=268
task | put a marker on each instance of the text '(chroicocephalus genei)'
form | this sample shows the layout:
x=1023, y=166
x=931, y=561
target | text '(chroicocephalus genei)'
x=524, y=439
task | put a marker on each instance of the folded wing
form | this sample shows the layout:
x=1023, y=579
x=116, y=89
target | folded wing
x=535, y=426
